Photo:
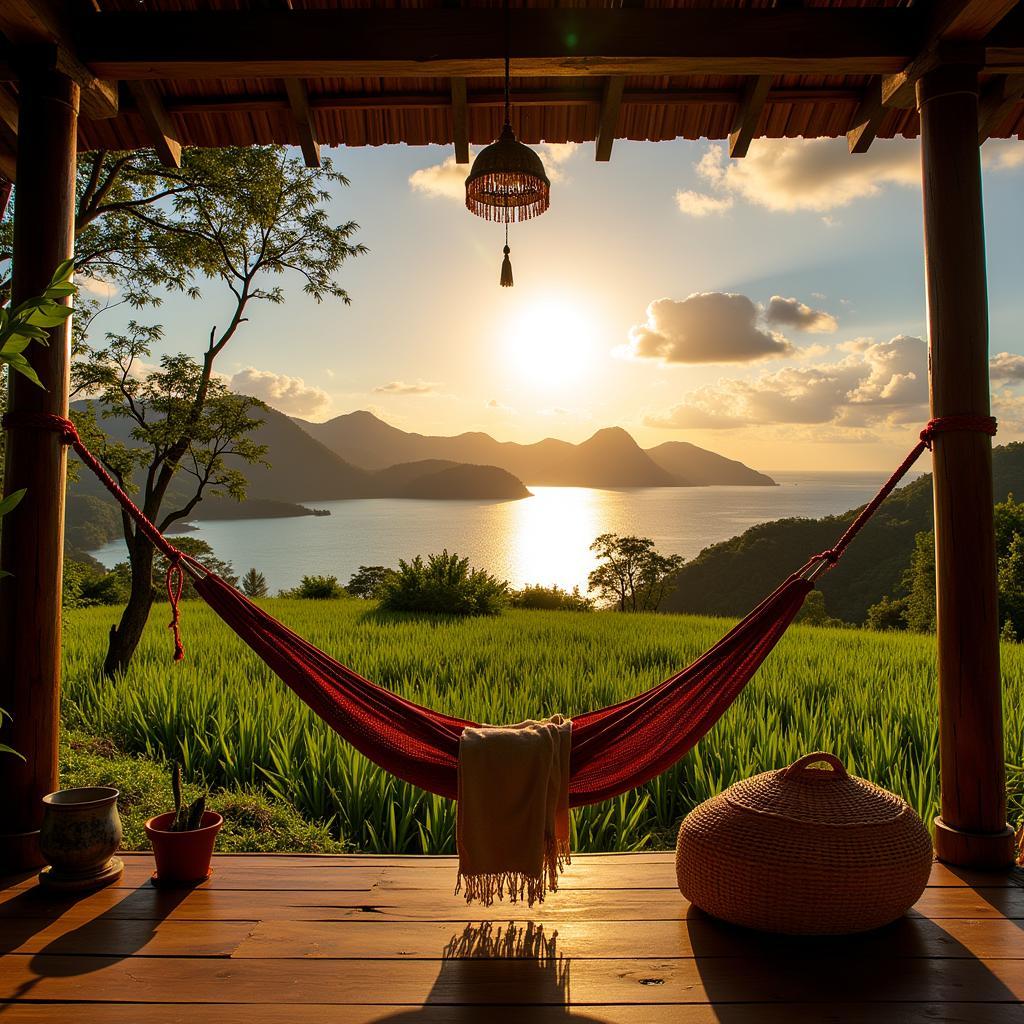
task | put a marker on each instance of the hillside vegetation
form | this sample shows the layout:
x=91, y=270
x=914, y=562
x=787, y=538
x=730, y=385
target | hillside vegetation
x=731, y=577
x=869, y=697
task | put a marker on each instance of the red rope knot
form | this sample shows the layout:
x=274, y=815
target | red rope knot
x=44, y=421
x=944, y=424
x=175, y=582
x=829, y=555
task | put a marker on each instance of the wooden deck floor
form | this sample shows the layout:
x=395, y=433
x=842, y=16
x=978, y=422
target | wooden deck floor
x=359, y=939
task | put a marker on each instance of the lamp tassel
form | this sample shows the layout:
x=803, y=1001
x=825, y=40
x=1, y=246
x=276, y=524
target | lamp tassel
x=506, y=270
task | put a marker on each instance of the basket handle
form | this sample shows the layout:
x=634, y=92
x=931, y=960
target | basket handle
x=801, y=765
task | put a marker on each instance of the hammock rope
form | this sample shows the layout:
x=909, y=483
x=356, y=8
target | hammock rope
x=614, y=749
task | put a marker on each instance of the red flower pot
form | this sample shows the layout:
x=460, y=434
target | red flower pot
x=182, y=858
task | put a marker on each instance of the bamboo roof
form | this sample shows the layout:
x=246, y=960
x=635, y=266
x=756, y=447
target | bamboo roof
x=168, y=73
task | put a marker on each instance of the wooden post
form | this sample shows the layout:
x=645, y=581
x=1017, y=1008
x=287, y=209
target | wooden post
x=972, y=829
x=33, y=535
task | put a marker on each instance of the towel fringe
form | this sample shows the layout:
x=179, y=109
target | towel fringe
x=486, y=887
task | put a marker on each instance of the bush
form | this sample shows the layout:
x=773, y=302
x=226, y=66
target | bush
x=550, y=599
x=317, y=588
x=368, y=581
x=446, y=584
x=252, y=822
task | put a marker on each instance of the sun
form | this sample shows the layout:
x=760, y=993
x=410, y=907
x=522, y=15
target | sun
x=551, y=343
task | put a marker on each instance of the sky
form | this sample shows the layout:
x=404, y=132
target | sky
x=771, y=309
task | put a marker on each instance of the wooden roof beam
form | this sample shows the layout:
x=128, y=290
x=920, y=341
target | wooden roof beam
x=298, y=101
x=996, y=102
x=748, y=114
x=868, y=118
x=9, y=110
x=29, y=23
x=460, y=121
x=162, y=133
x=420, y=42
x=950, y=22
x=611, y=104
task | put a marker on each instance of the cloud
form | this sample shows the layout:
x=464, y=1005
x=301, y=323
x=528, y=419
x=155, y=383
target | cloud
x=291, y=395
x=1006, y=366
x=794, y=313
x=447, y=179
x=498, y=406
x=875, y=381
x=809, y=174
x=1002, y=155
x=708, y=327
x=702, y=204
x=401, y=387
x=96, y=286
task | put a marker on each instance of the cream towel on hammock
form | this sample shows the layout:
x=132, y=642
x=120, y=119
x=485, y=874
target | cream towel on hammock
x=513, y=811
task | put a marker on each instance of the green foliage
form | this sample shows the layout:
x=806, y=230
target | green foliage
x=554, y=598
x=188, y=815
x=252, y=820
x=31, y=320
x=202, y=552
x=631, y=575
x=889, y=613
x=317, y=588
x=870, y=697
x=254, y=584
x=814, y=613
x=444, y=584
x=368, y=581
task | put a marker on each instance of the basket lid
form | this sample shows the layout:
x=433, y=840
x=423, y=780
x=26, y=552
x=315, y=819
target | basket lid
x=820, y=796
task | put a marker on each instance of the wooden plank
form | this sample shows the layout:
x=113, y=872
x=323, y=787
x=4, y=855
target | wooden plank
x=9, y=110
x=146, y=903
x=611, y=104
x=161, y=131
x=536, y=982
x=997, y=101
x=460, y=114
x=125, y=938
x=910, y=937
x=453, y=43
x=736, y=1013
x=748, y=114
x=32, y=22
x=868, y=118
x=298, y=101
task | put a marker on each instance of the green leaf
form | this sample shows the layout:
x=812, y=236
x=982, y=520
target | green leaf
x=63, y=272
x=24, y=367
x=15, y=346
x=9, y=502
x=49, y=317
x=4, y=749
x=60, y=291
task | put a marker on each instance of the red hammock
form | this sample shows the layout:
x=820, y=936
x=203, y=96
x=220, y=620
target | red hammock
x=614, y=749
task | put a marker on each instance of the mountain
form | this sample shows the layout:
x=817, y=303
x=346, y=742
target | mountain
x=732, y=577
x=448, y=480
x=688, y=462
x=610, y=458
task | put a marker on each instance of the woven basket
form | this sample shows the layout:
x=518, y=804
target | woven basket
x=804, y=851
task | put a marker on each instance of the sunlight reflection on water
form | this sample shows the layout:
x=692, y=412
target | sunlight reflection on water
x=543, y=539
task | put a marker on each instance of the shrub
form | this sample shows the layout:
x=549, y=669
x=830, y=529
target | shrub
x=317, y=588
x=368, y=581
x=553, y=598
x=254, y=584
x=446, y=584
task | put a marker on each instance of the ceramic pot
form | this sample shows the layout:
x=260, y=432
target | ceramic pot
x=182, y=858
x=80, y=832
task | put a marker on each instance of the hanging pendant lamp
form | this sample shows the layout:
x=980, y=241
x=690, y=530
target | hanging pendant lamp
x=507, y=182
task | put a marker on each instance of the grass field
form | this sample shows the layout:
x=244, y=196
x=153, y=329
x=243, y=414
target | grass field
x=868, y=697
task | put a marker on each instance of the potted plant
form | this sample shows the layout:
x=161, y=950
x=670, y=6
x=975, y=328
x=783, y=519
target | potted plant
x=183, y=839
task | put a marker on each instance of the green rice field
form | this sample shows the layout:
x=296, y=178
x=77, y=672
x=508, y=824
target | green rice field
x=868, y=697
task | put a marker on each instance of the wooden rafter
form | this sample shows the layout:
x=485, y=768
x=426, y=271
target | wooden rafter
x=611, y=104
x=949, y=22
x=29, y=23
x=868, y=118
x=460, y=120
x=298, y=101
x=9, y=110
x=997, y=101
x=470, y=43
x=748, y=114
x=161, y=131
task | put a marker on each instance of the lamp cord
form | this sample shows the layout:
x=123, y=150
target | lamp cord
x=508, y=47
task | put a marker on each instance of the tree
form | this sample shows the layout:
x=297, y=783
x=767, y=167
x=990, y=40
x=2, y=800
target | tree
x=317, y=588
x=368, y=581
x=919, y=584
x=238, y=217
x=201, y=551
x=632, y=576
x=254, y=584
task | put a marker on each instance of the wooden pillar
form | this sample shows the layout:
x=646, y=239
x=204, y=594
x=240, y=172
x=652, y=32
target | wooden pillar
x=33, y=534
x=972, y=829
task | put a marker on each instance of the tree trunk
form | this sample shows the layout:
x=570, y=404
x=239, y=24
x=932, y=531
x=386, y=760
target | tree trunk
x=125, y=636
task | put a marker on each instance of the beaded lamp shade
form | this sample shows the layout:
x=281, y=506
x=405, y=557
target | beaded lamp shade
x=507, y=182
